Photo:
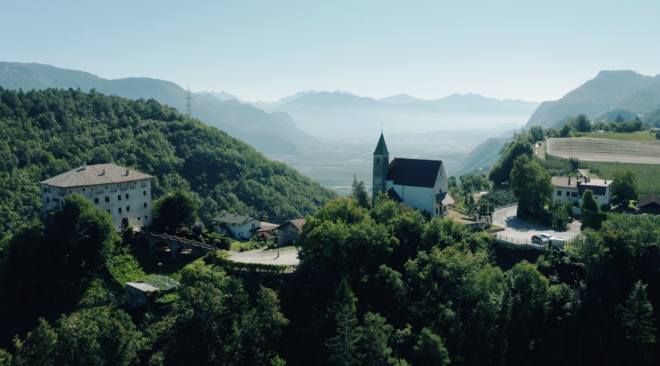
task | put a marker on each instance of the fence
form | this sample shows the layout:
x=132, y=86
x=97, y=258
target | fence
x=522, y=242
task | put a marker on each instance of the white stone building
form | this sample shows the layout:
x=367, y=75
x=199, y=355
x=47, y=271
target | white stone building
x=572, y=188
x=123, y=193
x=420, y=184
x=235, y=225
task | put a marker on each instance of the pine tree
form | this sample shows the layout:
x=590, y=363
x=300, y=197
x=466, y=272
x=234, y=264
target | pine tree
x=343, y=346
x=637, y=319
x=359, y=192
x=375, y=333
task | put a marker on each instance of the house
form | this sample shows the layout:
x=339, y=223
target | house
x=649, y=204
x=418, y=183
x=122, y=192
x=289, y=232
x=235, y=225
x=572, y=188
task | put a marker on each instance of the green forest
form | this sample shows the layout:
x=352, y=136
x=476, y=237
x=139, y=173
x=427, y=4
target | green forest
x=45, y=133
x=378, y=284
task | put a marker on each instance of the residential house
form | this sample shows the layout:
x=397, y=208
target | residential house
x=649, y=204
x=235, y=225
x=572, y=188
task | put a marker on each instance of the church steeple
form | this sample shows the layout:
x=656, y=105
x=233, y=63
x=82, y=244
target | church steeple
x=381, y=168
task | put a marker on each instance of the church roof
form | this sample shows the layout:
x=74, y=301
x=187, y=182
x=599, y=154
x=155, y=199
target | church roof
x=381, y=148
x=414, y=172
x=391, y=193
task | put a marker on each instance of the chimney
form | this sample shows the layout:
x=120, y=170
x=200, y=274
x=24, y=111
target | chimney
x=569, y=180
x=103, y=172
x=605, y=181
x=85, y=166
x=127, y=172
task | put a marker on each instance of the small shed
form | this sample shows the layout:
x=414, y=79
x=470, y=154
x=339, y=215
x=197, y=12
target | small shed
x=649, y=204
x=137, y=292
x=289, y=232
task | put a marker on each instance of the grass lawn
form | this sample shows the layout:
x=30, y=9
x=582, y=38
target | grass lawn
x=460, y=217
x=237, y=245
x=632, y=136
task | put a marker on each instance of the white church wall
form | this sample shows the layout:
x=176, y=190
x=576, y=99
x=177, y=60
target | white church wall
x=420, y=198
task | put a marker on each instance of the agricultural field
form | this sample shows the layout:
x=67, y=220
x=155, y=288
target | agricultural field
x=648, y=175
x=604, y=150
x=632, y=136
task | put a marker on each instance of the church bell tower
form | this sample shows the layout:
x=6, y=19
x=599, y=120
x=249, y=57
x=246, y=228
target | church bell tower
x=381, y=167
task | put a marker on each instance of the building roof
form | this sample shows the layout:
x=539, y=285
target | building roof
x=229, y=218
x=297, y=223
x=414, y=172
x=381, y=148
x=649, y=199
x=95, y=175
x=267, y=226
x=144, y=287
x=562, y=182
x=391, y=193
x=619, y=119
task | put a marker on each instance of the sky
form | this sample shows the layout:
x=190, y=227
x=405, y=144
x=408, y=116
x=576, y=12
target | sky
x=265, y=50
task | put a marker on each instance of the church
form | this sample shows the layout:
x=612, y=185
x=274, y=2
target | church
x=418, y=183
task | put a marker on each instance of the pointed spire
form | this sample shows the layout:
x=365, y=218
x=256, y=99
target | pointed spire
x=381, y=148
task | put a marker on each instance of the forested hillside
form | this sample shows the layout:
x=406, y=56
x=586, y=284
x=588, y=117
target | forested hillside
x=45, y=133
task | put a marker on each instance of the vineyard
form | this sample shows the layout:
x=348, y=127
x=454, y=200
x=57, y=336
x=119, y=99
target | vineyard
x=648, y=175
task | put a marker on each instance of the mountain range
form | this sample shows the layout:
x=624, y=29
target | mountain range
x=342, y=113
x=267, y=132
x=609, y=90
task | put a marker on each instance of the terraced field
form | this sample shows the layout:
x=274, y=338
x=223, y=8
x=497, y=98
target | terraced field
x=598, y=149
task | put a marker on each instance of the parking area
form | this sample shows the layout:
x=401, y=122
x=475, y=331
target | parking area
x=519, y=229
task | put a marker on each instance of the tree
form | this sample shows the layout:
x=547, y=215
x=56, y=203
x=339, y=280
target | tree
x=501, y=171
x=452, y=182
x=175, y=211
x=531, y=185
x=581, y=123
x=343, y=346
x=568, y=206
x=624, y=184
x=262, y=328
x=38, y=347
x=637, y=319
x=374, y=335
x=589, y=202
x=536, y=134
x=359, y=192
x=430, y=350
x=565, y=131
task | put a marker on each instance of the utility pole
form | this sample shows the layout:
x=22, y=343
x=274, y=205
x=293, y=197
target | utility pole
x=188, y=98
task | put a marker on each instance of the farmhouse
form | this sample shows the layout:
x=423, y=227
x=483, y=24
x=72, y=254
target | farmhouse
x=649, y=204
x=418, y=183
x=289, y=232
x=572, y=188
x=123, y=193
x=239, y=226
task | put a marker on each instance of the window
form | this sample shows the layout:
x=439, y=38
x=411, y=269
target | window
x=107, y=199
x=574, y=194
x=559, y=193
x=568, y=193
x=119, y=209
x=144, y=193
x=145, y=204
x=377, y=160
x=436, y=210
x=146, y=217
x=83, y=189
x=47, y=200
x=138, y=218
x=108, y=211
x=126, y=195
x=253, y=226
x=119, y=198
x=96, y=200
x=128, y=208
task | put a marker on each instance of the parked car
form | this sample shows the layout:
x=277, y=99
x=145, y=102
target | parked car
x=540, y=239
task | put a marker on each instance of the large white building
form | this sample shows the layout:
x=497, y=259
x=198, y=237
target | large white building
x=418, y=183
x=572, y=188
x=123, y=193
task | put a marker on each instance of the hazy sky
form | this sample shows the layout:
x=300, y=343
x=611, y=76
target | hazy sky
x=528, y=50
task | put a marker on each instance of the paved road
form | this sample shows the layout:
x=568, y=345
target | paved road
x=519, y=229
x=288, y=257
